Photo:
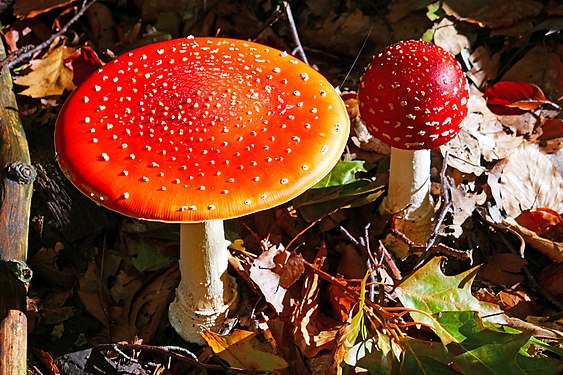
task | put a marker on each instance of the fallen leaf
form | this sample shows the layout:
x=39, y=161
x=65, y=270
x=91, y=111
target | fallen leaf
x=242, y=349
x=83, y=62
x=308, y=331
x=553, y=250
x=517, y=303
x=503, y=269
x=544, y=221
x=484, y=66
x=515, y=98
x=447, y=37
x=541, y=65
x=93, y=294
x=530, y=180
x=49, y=75
x=430, y=291
x=33, y=8
x=262, y=272
x=551, y=128
x=504, y=17
x=551, y=280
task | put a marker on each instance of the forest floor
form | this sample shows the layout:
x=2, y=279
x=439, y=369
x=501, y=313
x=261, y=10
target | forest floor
x=102, y=282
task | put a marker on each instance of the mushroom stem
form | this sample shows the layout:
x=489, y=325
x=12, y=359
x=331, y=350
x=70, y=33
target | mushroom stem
x=206, y=292
x=409, y=195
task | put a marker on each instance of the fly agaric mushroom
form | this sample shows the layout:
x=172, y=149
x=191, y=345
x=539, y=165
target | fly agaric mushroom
x=413, y=96
x=195, y=131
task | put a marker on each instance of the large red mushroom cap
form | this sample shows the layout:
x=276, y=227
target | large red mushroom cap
x=196, y=129
x=414, y=96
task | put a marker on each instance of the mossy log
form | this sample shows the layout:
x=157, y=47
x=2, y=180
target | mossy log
x=16, y=178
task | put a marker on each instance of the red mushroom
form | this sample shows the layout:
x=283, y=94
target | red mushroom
x=195, y=131
x=413, y=96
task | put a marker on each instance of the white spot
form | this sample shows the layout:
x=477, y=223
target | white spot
x=284, y=181
x=125, y=195
x=105, y=156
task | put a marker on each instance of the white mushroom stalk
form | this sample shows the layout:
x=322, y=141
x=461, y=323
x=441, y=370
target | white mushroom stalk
x=408, y=196
x=206, y=292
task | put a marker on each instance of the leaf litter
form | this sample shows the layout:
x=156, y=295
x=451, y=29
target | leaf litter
x=306, y=306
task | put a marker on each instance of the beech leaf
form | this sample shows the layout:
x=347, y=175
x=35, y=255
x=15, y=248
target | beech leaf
x=49, y=76
x=514, y=98
x=530, y=180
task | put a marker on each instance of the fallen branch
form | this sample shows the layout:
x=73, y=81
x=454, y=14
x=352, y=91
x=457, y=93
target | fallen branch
x=28, y=51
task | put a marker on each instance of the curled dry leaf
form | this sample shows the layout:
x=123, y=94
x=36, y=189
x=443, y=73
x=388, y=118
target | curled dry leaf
x=530, y=180
x=49, y=75
x=515, y=98
x=553, y=250
x=274, y=271
x=544, y=221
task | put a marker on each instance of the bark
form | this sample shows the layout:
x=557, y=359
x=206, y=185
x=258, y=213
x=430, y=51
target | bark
x=16, y=178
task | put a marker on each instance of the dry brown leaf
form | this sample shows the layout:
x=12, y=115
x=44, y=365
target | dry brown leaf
x=309, y=335
x=33, y=8
x=503, y=269
x=553, y=250
x=482, y=137
x=49, y=75
x=262, y=272
x=484, y=66
x=447, y=37
x=530, y=180
x=504, y=17
x=242, y=349
x=543, y=66
x=151, y=303
x=93, y=294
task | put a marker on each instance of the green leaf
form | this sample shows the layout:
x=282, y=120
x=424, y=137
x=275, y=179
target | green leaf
x=432, y=292
x=426, y=357
x=148, y=257
x=491, y=350
x=317, y=203
x=342, y=173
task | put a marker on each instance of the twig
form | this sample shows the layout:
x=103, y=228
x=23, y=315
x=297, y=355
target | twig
x=273, y=18
x=446, y=203
x=371, y=261
x=435, y=249
x=172, y=352
x=28, y=53
x=294, y=34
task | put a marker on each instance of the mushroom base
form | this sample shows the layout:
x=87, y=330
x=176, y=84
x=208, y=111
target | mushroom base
x=189, y=323
x=206, y=292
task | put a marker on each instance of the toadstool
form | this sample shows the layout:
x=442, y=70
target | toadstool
x=195, y=131
x=413, y=96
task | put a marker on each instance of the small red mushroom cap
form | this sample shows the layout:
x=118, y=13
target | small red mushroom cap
x=195, y=129
x=414, y=96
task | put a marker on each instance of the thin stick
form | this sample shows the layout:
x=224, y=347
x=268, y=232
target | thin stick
x=29, y=52
x=294, y=34
x=171, y=352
